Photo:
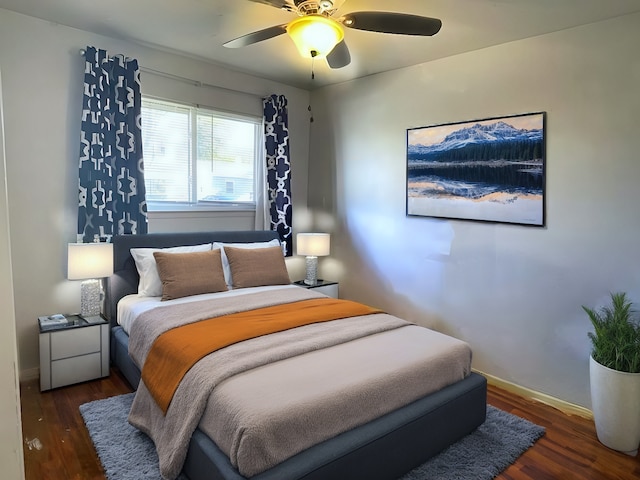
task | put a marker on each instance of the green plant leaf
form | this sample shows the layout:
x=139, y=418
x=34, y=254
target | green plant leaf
x=616, y=337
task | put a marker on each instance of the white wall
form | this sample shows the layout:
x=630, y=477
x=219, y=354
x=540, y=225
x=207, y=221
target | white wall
x=514, y=293
x=10, y=426
x=43, y=75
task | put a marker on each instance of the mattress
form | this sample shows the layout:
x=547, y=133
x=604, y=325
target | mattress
x=262, y=415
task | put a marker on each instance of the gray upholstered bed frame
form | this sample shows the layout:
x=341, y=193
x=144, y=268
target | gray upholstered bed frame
x=383, y=449
x=124, y=280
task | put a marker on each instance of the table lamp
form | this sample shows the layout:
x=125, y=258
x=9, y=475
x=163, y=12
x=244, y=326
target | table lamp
x=312, y=245
x=90, y=262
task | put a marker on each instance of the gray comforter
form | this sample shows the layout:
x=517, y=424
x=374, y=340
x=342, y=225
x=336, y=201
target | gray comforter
x=258, y=429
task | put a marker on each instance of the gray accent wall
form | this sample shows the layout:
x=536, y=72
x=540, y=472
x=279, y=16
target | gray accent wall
x=513, y=292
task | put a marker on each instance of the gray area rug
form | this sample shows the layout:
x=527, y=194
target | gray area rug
x=128, y=454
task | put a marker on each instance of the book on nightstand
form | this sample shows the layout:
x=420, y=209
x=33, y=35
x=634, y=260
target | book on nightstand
x=60, y=321
x=51, y=320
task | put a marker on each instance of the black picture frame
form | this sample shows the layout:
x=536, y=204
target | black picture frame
x=488, y=170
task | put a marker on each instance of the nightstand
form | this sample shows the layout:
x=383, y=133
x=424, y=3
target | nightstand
x=72, y=350
x=327, y=287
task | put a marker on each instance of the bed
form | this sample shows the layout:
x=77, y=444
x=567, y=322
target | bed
x=383, y=447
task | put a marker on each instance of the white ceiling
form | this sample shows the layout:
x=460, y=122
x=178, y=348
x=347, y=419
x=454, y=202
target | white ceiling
x=198, y=28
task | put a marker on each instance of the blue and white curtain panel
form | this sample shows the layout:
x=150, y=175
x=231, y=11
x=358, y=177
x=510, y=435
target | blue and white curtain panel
x=276, y=133
x=111, y=174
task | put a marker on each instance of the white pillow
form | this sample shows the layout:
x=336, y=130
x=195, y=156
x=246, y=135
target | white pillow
x=150, y=284
x=225, y=262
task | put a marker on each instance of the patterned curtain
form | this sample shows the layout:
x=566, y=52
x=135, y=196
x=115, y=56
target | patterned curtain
x=111, y=177
x=276, y=133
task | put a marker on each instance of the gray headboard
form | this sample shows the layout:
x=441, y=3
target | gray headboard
x=124, y=280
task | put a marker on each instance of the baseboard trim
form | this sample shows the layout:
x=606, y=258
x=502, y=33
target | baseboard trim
x=29, y=374
x=562, y=405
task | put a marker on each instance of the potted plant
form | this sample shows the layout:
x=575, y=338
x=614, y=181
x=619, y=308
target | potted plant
x=614, y=369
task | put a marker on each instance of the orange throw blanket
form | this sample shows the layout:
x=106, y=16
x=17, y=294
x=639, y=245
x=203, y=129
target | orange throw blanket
x=174, y=352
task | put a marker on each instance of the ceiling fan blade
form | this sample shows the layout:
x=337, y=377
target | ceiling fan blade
x=255, y=37
x=390, y=22
x=339, y=57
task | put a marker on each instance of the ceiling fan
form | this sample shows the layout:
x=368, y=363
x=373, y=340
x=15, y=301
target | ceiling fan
x=318, y=35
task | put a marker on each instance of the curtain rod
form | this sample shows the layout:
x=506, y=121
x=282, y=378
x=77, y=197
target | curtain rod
x=196, y=83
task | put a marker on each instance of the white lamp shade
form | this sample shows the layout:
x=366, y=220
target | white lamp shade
x=89, y=260
x=313, y=244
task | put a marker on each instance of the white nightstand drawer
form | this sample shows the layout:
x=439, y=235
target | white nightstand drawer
x=75, y=369
x=71, y=343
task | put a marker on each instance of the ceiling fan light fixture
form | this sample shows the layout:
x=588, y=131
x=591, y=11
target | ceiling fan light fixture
x=315, y=35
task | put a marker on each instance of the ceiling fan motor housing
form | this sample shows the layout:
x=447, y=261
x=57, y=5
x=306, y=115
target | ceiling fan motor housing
x=310, y=7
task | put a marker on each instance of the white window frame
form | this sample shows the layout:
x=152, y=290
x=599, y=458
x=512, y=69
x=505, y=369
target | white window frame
x=194, y=204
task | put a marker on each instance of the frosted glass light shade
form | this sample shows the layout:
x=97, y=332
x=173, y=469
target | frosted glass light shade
x=313, y=244
x=315, y=35
x=89, y=260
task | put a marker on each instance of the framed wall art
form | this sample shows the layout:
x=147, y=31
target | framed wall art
x=490, y=170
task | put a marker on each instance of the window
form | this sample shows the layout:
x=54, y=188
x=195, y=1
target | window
x=196, y=156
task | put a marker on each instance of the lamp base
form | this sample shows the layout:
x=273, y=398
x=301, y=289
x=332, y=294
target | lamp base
x=312, y=270
x=90, y=298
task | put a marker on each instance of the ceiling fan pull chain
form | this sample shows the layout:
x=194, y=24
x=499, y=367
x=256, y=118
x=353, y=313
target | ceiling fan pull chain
x=313, y=57
x=313, y=76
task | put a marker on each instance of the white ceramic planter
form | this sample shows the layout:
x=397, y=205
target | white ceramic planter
x=615, y=400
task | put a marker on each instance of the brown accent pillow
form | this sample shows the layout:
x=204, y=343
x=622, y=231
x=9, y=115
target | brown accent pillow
x=255, y=267
x=193, y=273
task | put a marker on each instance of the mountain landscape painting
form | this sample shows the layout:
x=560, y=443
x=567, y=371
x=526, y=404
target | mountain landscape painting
x=488, y=170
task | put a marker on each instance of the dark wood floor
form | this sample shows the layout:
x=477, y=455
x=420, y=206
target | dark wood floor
x=58, y=447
